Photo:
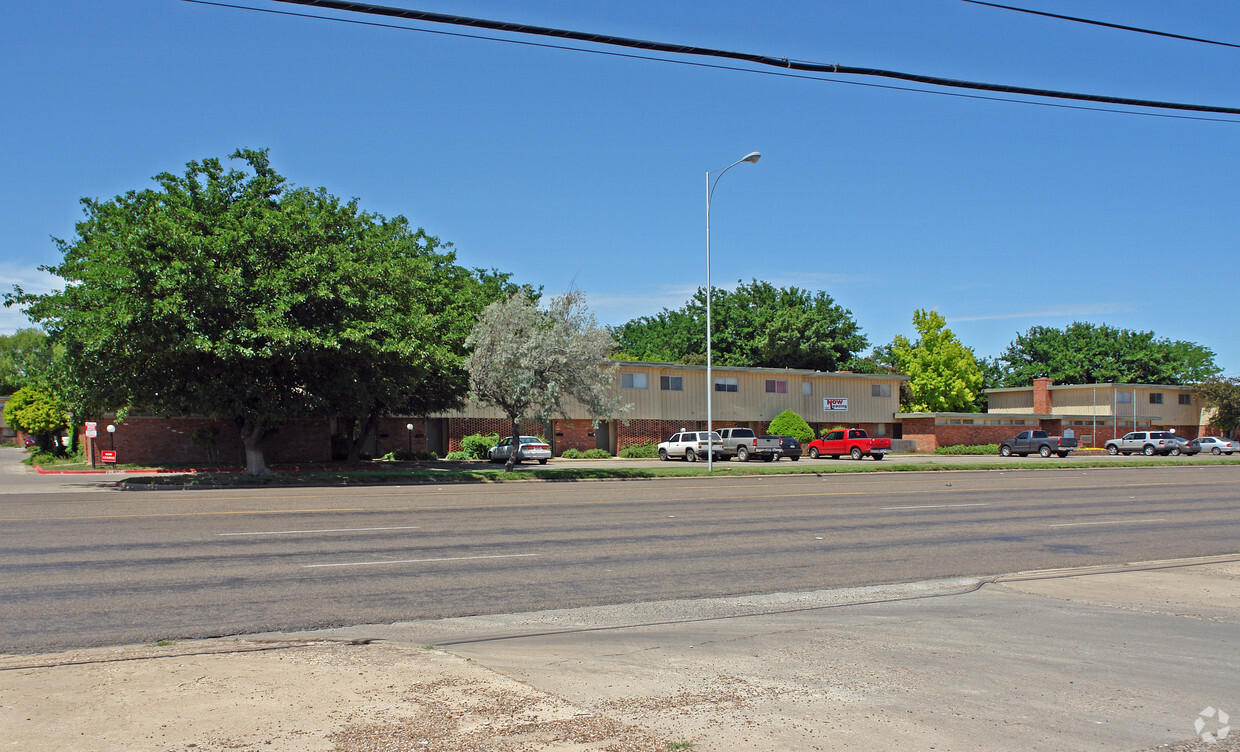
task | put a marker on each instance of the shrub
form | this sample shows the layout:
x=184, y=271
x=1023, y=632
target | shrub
x=968, y=449
x=457, y=456
x=476, y=445
x=596, y=454
x=640, y=451
x=572, y=453
x=403, y=455
x=789, y=423
x=39, y=414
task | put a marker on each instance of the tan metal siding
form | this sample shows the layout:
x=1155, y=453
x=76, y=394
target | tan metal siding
x=1011, y=402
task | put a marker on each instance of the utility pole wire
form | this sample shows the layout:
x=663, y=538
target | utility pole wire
x=1121, y=27
x=778, y=62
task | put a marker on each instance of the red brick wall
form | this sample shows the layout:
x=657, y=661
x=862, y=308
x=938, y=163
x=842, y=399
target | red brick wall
x=922, y=431
x=459, y=428
x=1042, y=396
x=648, y=431
x=573, y=434
x=168, y=442
x=394, y=437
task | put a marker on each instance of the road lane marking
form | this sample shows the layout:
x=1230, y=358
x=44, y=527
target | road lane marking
x=183, y=514
x=327, y=530
x=1107, y=522
x=939, y=506
x=416, y=561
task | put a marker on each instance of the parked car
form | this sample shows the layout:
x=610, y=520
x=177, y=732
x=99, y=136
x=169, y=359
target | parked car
x=532, y=448
x=691, y=445
x=1148, y=443
x=743, y=443
x=854, y=442
x=1216, y=445
x=789, y=447
x=1184, y=446
x=1028, y=442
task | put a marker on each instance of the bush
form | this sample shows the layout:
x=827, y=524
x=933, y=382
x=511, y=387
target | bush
x=640, y=451
x=458, y=456
x=789, y=423
x=475, y=446
x=572, y=453
x=403, y=455
x=596, y=454
x=968, y=449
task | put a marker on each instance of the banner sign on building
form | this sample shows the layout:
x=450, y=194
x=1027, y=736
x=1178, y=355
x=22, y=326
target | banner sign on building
x=832, y=404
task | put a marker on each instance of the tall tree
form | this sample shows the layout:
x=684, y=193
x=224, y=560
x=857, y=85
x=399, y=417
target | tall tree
x=533, y=363
x=38, y=413
x=228, y=293
x=1222, y=394
x=757, y=324
x=26, y=359
x=1084, y=353
x=944, y=375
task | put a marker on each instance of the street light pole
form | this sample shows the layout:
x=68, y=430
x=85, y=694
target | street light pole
x=752, y=157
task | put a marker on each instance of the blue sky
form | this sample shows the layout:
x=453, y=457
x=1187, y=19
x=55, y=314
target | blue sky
x=586, y=170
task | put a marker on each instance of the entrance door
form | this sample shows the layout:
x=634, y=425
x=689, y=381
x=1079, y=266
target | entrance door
x=602, y=435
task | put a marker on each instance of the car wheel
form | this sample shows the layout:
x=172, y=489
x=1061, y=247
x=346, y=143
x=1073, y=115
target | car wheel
x=742, y=454
x=878, y=457
x=855, y=453
x=794, y=457
x=542, y=462
x=1062, y=455
x=1148, y=451
x=1005, y=451
x=663, y=454
x=1175, y=452
x=690, y=455
x=1216, y=451
x=768, y=458
x=1044, y=450
x=1125, y=453
x=1112, y=450
x=813, y=453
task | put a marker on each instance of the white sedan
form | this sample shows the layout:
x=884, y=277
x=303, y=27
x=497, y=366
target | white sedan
x=532, y=448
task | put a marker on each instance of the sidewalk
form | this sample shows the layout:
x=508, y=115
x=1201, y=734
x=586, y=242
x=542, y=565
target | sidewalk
x=1124, y=660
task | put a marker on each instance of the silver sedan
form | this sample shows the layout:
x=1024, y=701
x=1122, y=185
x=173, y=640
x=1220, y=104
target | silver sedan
x=532, y=448
x=1216, y=445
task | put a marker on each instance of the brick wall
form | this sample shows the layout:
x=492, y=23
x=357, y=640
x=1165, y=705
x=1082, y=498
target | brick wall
x=1042, y=396
x=573, y=434
x=459, y=428
x=648, y=431
x=169, y=442
x=393, y=436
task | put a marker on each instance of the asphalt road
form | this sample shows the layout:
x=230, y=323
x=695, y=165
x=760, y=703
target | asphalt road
x=82, y=569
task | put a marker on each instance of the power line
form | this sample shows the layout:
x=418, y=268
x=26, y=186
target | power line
x=1108, y=25
x=785, y=63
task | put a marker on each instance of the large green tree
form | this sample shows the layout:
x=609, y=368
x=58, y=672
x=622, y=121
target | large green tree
x=26, y=359
x=944, y=375
x=228, y=292
x=1084, y=353
x=534, y=363
x=757, y=324
x=1222, y=394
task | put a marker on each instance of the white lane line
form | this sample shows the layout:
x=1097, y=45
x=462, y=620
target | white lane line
x=939, y=506
x=1108, y=522
x=327, y=530
x=416, y=561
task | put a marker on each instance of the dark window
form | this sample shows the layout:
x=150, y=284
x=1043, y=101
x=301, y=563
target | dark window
x=727, y=384
x=880, y=390
x=632, y=381
x=1156, y=398
x=1186, y=399
x=776, y=386
x=672, y=383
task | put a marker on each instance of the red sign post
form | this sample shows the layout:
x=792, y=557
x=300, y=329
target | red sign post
x=108, y=455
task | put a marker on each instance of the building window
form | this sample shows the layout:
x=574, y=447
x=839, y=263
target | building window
x=1186, y=399
x=880, y=390
x=672, y=383
x=1156, y=398
x=807, y=389
x=727, y=384
x=1123, y=398
x=776, y=386
x=632, y=381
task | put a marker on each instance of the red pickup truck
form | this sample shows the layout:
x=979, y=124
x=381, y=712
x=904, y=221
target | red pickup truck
x=851, y=441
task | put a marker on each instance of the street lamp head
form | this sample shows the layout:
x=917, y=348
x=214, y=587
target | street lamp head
x=111, y=429
x=752, y=156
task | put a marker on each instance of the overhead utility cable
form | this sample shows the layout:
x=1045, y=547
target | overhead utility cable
x=1121, y=27
x=778, y=62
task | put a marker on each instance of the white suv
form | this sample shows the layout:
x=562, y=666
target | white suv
x=1148, y=443
x=691, y=445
